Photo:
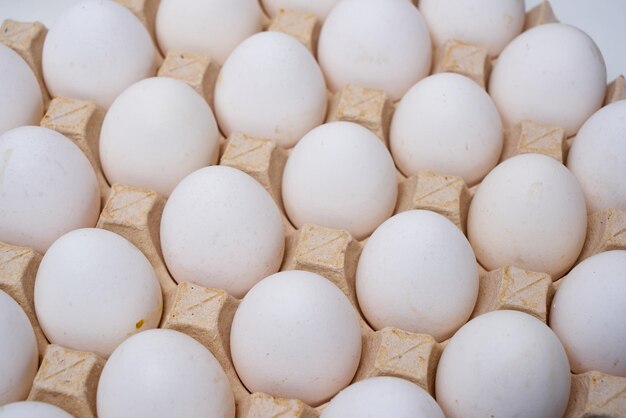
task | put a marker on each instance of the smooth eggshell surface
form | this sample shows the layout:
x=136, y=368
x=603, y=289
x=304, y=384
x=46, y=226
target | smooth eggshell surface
x=220, y=228
x=418, y=273
x=448, y=124
x=270, y=86
x=48, y=188
x=320, y=8
x=490, y=23
x=503, y=364
x=296, y=335
x=528, y=212
x=156, y=132
x=163, y=374
x=94, y=289
x=21, y=100
x=32, y=409
x=588, y=314
x=553, y=74
x=95, y=50
x=335, y=172
x=598, y=158
x=18, y=352
x=376, y=44
x=212, y=27
x=376, y=397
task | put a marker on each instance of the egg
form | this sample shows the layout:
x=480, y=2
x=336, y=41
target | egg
x=220, y=228
x=156, y=132
x=270, y=87
x=598, y=158
x=490, y=23
x=380, y=397
x=94, y=289
x=588, y=311
x=30, y=409
x=95, y=50
x=528, y=212
x=335, y=172
x=503, y=364
x=213, y=27
x=446, y=123
x=296, y=335
x=21, y=100
x=418, y=273
x=377, y=44
x=47, y=187
x=18, y=352
x=553, y=74
x=163, y=373
x=319, y=8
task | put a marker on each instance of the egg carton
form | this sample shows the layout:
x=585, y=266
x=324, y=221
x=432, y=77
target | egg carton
x=69, y=378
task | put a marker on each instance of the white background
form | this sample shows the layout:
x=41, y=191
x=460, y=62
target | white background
x=603, y=20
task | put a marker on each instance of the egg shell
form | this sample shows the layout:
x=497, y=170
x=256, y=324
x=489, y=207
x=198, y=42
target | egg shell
x=95, y=50
x=21, y=101
x=307, y=346
x=270, y=87
x=418, y=273
x=48, y=188
x=161, y=374
x=336, y=171
x=213, y=27
x=490, y=23
x=376, y=44
x=378, y=397
x=156, y=132
x=528, y=212
x=31, y=409
x=553, y=74
x=220, y=228
x=598, y=158
x=320, y=8
x=588, y=311
x=503, y=364
x=18, y=351
x=448, y=124
x=93, y=290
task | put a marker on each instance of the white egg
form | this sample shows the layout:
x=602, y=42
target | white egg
x=220, y=228
x=48, y=187
x=18, y=352
x=156, y=132
x=490, y=23
x=21, y=100
x=588, y=314
x=376, y=44
x=528, y=212
x=336, y=172
x=381, y=397
x=320, y=8
x=418, y=273
x=448, y=124
x=270, y=86
x=213, y=27
x=32, y=409
x=296, y=335
x=93, y=290
x=598, y=158
x=95, y=50
x=163, y=373
x=553, y=74
x=503, y=364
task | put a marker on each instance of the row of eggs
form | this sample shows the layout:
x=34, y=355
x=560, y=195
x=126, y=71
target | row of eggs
x=271, y=86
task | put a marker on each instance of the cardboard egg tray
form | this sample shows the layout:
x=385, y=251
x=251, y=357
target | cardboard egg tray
x=69, y=378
